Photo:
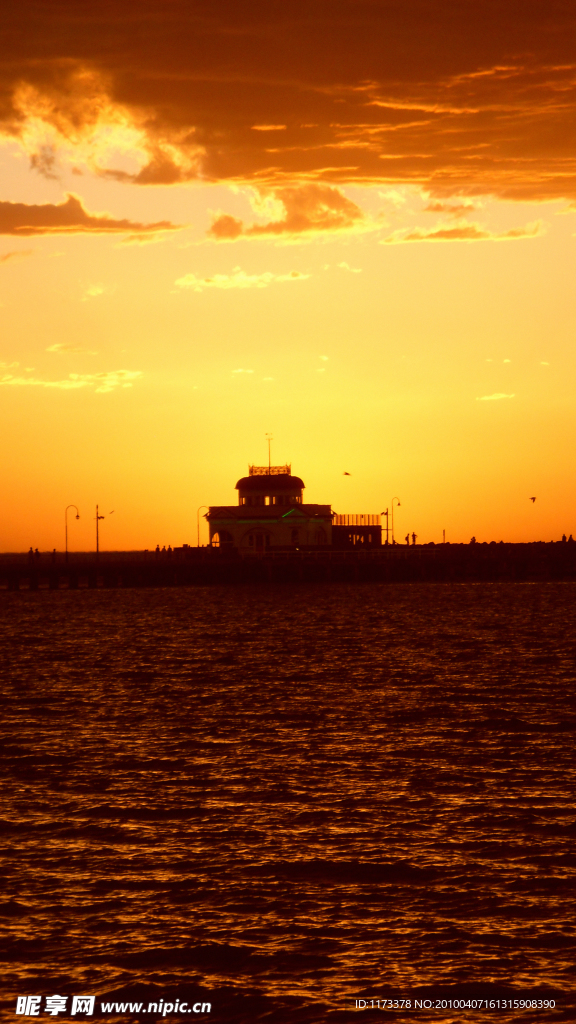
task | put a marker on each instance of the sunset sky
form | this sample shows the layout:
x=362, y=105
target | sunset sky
x=351, y=225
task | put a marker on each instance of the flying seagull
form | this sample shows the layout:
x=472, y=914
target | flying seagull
x=347, y=474
x=532, y=500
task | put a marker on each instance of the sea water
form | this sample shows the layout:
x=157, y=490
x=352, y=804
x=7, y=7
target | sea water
x=290, y=803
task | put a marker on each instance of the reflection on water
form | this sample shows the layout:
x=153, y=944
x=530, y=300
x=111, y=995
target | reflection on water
x=285, y=799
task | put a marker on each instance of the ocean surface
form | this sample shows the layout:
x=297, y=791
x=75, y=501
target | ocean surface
x=281, y=801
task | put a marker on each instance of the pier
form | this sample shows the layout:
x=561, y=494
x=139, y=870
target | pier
x=189, y=566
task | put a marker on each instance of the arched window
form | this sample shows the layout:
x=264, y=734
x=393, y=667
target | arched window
x=222, y=539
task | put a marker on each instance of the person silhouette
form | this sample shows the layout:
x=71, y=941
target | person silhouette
x=414, y=536
x=31, y=555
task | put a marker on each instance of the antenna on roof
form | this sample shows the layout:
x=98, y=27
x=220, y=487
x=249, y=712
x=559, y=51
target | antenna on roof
x=269, y=438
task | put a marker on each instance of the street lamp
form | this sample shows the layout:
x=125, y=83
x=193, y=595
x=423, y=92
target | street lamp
x=98, y=517
x=386, y=514
x=397, y=506
x=66, y=526
x=198, y=522
x=269, y=438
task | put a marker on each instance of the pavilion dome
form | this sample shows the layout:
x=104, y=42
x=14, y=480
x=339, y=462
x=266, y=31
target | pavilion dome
x=277, y=483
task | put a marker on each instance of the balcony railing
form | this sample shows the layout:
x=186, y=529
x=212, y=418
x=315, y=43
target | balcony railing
x=356, y=520
x=269, y=470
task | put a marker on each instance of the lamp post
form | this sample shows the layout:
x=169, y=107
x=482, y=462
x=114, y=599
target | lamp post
x=386, y=514
x=198, y=522
x=66, y=527
x=398, y=506
x=98, y=517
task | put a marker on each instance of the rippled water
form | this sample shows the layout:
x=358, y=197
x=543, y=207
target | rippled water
x=280, y=800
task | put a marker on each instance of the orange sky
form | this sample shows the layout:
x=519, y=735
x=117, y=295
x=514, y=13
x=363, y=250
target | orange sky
x=348, y=224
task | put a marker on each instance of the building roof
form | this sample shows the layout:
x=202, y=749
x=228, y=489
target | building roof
x=258, y=513
x=275, y=484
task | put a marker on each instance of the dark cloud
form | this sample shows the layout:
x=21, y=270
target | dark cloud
x=68, y=217
x=466, y=98
x=44, y=161
x=159, y=170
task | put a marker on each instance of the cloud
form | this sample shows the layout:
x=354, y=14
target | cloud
x=101, y=382
x=237, y=279
x=459, y=99
x=303, y=209
x=18, y=254
x=494, y=398
x=93, y=292
x=353, y=270
x=462, y=233
x=62, y=347
x=44, y=161
x=242, y=371
x=225, y=228
x=393, y=196
x=148, y=238
x=8, y=366
x=68, y=217
x=452, y=209
x=165, y=166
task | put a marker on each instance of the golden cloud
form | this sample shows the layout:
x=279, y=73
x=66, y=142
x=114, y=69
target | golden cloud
x=462, y=233
x=237, y=279
x=306, y=209
x=62, y=347
x=495, y=397
x=101, y=382
x=17, y=254
x=68, y=217
x=452, y=209
x=460, y=99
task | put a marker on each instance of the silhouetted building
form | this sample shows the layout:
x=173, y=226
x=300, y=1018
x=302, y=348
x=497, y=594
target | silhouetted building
x=352, y=531
x=270, y=513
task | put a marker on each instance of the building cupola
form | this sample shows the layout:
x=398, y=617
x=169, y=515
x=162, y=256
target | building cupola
x=270, y=485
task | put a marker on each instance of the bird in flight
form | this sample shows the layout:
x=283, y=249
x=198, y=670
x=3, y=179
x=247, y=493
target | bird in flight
x=347, y=474
x=532, y=500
